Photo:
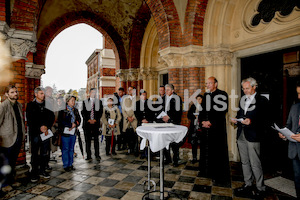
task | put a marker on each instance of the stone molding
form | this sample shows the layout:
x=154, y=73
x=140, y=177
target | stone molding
x=148, y=74
x=292, y=69
x=20, y=42
x=195, y=56
x=122, y=74
x=133, y=74
x=34, y=71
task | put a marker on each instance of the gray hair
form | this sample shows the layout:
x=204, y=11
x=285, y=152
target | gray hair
x=37, y=89
x=251, y=80
x=170, y=86
x=68, y=97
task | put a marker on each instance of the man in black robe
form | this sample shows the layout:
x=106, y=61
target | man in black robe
x=214, y=161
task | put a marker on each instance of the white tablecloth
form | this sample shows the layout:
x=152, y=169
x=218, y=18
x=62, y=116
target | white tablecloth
x=160, y=137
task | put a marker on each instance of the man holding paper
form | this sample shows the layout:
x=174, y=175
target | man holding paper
x=253, y=111
x=39, y=120
x=171, y=113
x=293, y=123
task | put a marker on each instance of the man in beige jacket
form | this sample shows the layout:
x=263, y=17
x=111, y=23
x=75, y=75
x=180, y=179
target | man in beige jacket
x=12, y=130
x=130, y=121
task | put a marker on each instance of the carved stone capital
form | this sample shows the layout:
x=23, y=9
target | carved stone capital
x=292, y=69
x=34, y=71
x=122, y=74
x=218, y=57
x=20, y=42
x=148, y=74
x=133, y=74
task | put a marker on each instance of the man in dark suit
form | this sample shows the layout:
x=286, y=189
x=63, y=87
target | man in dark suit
x=91, y=113
x=142, y=111
x=39, y=120
x=172, y=106
x=213, y=142
x=252, y=111
x=293, y=123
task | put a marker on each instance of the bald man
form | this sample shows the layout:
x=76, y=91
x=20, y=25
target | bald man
x=213, y=142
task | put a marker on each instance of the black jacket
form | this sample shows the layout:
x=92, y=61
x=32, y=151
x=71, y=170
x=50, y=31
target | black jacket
x=64, y=119
x=175, y=109
x=37, y=115
x=257, y=113
x=86, y=112
x=142, y=111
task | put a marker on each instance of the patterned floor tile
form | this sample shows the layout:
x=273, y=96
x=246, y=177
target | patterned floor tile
x=83, y=187
x=124, y=185
x=40, y=197
x=115, y=193
x=221, y=191
x=87, y=197
x=69, y=195
x=94, y=180
x=108, y=182
x=68, y=184
x=39, y=189
x=98, y=190
x=53, y=192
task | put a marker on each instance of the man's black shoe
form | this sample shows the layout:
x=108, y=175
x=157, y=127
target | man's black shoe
x=175, y=164
x=72, y=168
x=67, y=169
x=34, y=178
x=48, y=169
x=259, y=194
x=98, y=158
x=244, y=191
x=166, y=162
x=88, y=159
x=194, y=161
x=45, y=175
x=114, y=153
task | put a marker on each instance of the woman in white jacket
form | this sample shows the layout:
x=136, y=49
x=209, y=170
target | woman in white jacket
x=111, y=118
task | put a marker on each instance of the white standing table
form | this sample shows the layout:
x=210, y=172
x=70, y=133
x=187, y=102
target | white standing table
x=160, y=136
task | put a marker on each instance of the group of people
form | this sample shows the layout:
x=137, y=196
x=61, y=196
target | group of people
x=121, y=114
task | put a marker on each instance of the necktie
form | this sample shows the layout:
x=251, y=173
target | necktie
x=92, y=111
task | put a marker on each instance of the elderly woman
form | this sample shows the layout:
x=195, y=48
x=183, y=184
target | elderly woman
x=111, y=118
x=194, y=129
x=68, y=121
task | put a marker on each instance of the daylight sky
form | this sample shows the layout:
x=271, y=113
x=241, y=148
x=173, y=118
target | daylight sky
x=65, y=60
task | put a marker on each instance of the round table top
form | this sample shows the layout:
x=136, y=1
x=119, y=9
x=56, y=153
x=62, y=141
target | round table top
x=161, y=136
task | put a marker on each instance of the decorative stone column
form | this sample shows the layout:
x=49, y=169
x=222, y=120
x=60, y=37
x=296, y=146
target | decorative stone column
x=132, y=76
x=20, y=44
x=122, y=74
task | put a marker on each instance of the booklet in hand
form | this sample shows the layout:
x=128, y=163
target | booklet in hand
x=161, y=115
x=284, y=131
x=71, y=132
x=45, y=137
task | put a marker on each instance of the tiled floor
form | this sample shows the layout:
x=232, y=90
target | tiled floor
x=122, y=177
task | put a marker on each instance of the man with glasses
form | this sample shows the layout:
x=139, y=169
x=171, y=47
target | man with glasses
x=252, y=112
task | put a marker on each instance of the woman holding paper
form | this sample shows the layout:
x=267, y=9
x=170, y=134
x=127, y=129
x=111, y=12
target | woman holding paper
x=68, y=121
x=111, y=118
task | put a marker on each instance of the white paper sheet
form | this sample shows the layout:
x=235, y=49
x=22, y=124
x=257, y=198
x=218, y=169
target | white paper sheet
x=284, y=131
x=238, y=120
x=66, y=131
x=45, y=137
x=161, y=115
x=111, y=121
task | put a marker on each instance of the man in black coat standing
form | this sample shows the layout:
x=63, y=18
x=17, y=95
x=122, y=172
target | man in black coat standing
x=172, y=106
x=214, y=161
x=92, y=109
x=39, y=120
x=253, y=113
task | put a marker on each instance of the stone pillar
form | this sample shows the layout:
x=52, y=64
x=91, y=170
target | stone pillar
x=20, y=44
x=122, y=74
x=132, y=77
